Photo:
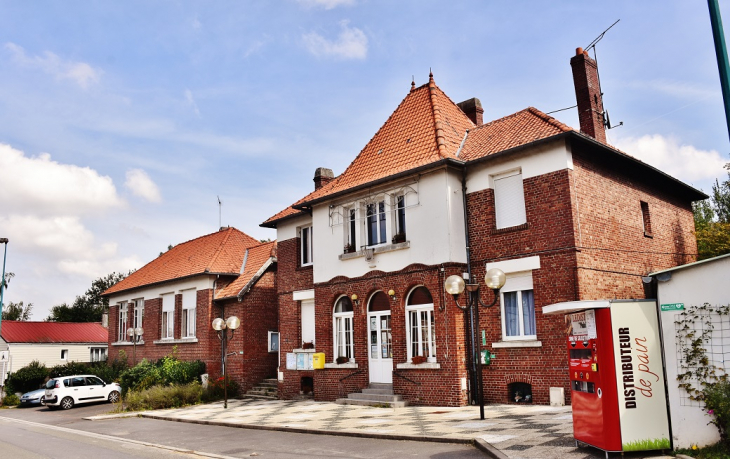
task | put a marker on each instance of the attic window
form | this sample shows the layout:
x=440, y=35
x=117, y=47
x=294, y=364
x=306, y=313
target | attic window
x=646, y=219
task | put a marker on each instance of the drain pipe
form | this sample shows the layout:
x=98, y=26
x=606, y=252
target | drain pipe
x=475, y=389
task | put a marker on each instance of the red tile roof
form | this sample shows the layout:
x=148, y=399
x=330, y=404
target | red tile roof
x=53, y=332
x=257, y=259
x=521, y=128
x=426, y=127
x=221, y=252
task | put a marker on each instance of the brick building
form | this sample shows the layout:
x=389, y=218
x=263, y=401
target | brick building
x=363, y=258
x=175, y=298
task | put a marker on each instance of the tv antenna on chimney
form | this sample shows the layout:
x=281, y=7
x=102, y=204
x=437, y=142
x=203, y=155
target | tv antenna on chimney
x=592, y=45
x=220, y=204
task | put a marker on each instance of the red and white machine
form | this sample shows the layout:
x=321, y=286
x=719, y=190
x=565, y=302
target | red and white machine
x=617, y=378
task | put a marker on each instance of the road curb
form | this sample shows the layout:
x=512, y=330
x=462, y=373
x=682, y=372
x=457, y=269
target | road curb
x=478, y=443
x=488, y=449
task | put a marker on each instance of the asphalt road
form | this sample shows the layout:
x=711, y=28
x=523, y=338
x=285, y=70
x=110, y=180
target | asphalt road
x=25, y=433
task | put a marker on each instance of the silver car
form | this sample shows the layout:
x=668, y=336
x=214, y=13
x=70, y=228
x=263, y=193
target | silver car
x=67, y=391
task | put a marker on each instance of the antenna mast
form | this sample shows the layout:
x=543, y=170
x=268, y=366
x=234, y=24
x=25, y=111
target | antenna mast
x=220, y=205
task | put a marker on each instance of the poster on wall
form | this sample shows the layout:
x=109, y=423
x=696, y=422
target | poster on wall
x=291, y=361
x=639, y=376
x=581, y=326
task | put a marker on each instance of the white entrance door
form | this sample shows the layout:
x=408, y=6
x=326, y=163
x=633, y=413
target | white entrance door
x=380, y=345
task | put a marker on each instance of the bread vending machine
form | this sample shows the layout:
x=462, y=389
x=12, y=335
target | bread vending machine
x=617, y=378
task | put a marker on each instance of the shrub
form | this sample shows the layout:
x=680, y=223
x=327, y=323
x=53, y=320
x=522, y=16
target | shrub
x=161, y=397
x=717, y=403
x=11, y=400
x=69, y=369
x=174, y=371
x=27, y=378
x=108, y=372
x=142, y=376
x=215, y=389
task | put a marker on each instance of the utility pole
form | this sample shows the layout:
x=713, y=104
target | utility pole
x=3, y=240
x=721, y=51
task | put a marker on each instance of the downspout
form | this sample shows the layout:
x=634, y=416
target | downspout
x=472, y=354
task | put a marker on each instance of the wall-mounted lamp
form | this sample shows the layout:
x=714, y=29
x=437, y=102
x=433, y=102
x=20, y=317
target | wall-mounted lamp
x=355, y=300
x=391, y=294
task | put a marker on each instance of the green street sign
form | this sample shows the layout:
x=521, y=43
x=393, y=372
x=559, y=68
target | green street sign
x=672, y=307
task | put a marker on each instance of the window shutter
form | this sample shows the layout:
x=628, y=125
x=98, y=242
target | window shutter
x=509, y=201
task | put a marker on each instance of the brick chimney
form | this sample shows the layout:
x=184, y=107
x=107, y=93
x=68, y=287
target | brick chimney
x=322, y=176
x=473, y=109
x=588, y=95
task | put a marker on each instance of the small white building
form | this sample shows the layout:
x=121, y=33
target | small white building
x=678, y=289
x=51, y=343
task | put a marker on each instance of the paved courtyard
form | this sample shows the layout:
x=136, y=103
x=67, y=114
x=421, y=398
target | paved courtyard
x=518, y=431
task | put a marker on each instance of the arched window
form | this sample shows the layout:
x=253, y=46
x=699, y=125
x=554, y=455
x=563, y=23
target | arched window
x=420, y=327
x=342, y=325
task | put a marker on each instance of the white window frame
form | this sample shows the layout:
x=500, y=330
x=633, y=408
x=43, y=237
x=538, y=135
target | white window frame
x=427, y=349
x=122, y=321
x=97, y=354
x=189, y=305
x=307, y=250
x=350, y=232
x=381, y=236
x=509, y=199
x=518, y=282
x=398, y=219
x=340, y=321
x=168, y=316
x=308, y=324
x=138, y=315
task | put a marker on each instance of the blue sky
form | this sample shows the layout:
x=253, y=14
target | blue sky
x=120, y=122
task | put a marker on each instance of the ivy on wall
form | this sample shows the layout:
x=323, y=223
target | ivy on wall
x=696, y=371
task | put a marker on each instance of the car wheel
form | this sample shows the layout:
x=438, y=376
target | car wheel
x=43, y=400
x=67, y=403
x=114, y=396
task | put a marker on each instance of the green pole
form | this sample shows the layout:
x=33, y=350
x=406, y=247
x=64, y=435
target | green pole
x=721, y=52
x=3, y=240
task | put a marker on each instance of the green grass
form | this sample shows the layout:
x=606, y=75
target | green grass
x=646, y=445
x=716, y=451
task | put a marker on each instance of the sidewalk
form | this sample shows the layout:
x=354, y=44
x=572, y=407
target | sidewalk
x=518, y=431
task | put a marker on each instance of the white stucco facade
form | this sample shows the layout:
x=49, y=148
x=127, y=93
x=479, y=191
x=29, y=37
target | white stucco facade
x=694, y=284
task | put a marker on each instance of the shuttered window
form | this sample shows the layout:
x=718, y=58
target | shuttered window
x=509, y=200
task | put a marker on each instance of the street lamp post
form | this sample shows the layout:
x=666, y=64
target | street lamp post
x=135, y=334
x=222, y=326
x=3, y=240
x=455, y=285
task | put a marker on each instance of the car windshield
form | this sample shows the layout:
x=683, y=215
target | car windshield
x=51, y=384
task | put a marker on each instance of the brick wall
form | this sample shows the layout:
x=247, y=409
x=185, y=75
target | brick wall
x=422, y=387
x=258, y=313
x=611, y=228
x=548, y=233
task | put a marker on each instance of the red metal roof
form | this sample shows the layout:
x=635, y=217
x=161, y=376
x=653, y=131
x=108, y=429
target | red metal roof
x=53, y=332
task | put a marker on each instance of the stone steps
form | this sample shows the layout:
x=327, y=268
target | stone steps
x=268, y=389
x=377, y=394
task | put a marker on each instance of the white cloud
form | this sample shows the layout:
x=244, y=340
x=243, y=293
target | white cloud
x=326, y=4
x=350, y=44
x=197, y=24
x=65, y=243
x=140, y=184
x=681, y=89
x=80, y=72
x=39, y=184
x=191, y=101
x=667, y=154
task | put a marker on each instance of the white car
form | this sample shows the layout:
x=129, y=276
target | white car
x=67, y=391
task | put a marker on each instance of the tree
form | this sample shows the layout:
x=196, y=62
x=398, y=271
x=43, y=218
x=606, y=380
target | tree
x=88, y=307
x=712, y=221
x=17, y=311
x=8, y=276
